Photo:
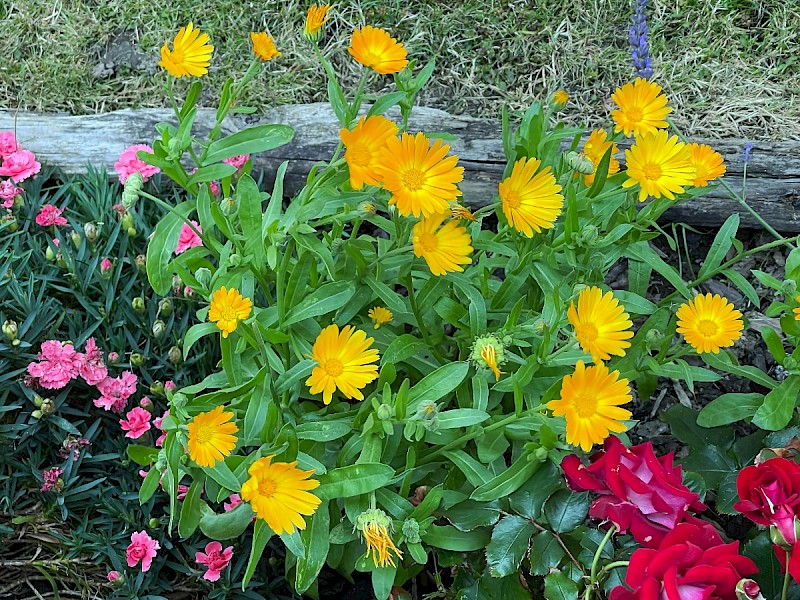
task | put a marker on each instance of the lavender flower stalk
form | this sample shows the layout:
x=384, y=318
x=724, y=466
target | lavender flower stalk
x=640, y=46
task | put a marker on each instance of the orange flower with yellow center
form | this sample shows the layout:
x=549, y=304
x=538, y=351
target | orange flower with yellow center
x=444, y=248
x=380, y=315
x=709, y=323
x=376, y=49
x=660, y=164
x=708, y=164
x=601, y=324
x=228, y=307
x=363, y=146
x=264, y=46
x=531, y=201
x=595, y=149
x=211, y=437
x=316, y=17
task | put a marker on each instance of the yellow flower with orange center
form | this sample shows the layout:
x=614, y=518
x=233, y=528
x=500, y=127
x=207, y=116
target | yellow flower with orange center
x=595, y=149
x=363, y=145
x=228, y=307
x=316, y=17
x=641, y=108
x=344, y=362
x=531, y=201
x=190, y=54
x=708, y=164
x=376, y=49
x=444, y=248
x=660, y=165
x=211, y=437
x=709, y=323
x=601, y=324
x=590, y=402
x=380, y=315
x=264, y=46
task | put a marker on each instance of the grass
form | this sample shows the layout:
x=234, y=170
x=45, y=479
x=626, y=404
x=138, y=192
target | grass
x=730, y=66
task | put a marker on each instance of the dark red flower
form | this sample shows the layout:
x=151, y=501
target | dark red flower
x=639, y=492
x=770, y=494
x=691, y=563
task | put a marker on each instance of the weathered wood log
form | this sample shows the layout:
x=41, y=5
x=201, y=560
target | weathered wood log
x=73, y=142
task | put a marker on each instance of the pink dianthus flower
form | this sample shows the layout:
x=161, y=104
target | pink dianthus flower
x=215, y=558
x=115, y=392
x=58, y=365
x=50, y=215
x=136, y=423
x=189, y=238
x=129, y=163
x=142, y=548
x=20, y=165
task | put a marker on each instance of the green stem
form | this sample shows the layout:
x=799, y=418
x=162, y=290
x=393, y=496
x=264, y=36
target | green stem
x=227, y=359
x=183, y=218
x=409, y=283
x=352, y=113
x=596, y=560
x=465, y=438
x=485, y=210
x=786, y=578
x=279, y=281
x=395, y=252
x=615, y=564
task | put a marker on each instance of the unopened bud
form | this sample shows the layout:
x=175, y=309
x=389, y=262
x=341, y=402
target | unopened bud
x=38, y=400
x=157, y=388
x=90, y=231
x=175, y=356
x=385, y=412
x=170, y=385
x=141, y=262
x=790, y=363
x=747, y=589
x=179, y=400
x=174, y=149
x=49, y=254
x=127, y=220
x=540, y=454
x=165, y=307
x=131, y=232
x=227, y=206
x=153, y=523
x=653, y=339
x=411, y=530
x=159, y=328
x=77, y=240
x=37, y=414
x=113, y=357
x=12, y=224
x=10, y=330
x=235, y=260
x=137, y=360
x=146, y=403
x=138, y=304
x=789, y=287
x=203, y=277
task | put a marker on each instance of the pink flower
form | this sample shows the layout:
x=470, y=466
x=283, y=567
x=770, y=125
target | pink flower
x=8, y=191
x=157, y=422
x=112, y=576
x=50, y=477
x=50, y=215
x=136, y=424
x=8, y=144
x=92, y=368
x=235, y=500
x=237, y=162
x=56, y=242
x=188, y=238
x=116, y=391
x=129, y=163
x=182, y=491
x=71, y=447
x=188, y=292
x=58, y=365
x=215, y=558
x=105, y=265
x=214, y=185
x=113, y=357
x=169, y=386
x=142, y=548
x=20, y=165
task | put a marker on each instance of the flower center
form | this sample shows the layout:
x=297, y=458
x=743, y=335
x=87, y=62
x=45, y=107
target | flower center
x=333, y=367
x=413, y=179
x=359, y=155
x=702, y=173
x=651, y=171
x=586, y=405
x=267, y=487
x=586, y=332
x=708, y=328
x=371, y=59
x=227, y=313
x=204, y=433
x=513, y=199
x=429, y=241
x=177, y=56
x=634, y=114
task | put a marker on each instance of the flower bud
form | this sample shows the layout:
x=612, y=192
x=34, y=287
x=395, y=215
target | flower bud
x=131, y=232
x=170, y=385
x=589, y=235
x=137, y=360
x=488, y=353
x=790, y=363
x=540, y=454
x=203, y=277
x=19, y=202
x=157, y=388
x=228, y=206
x=165, y=307
x=159, y=328
x=141, y=262
x=366, y=208
x=105, y=268
x=777, y=538
x=174, y=149
x=235, y=260
x=747, y=589
x=90, y=231
x=37, y=414
x=49, y=254
x=789, y=287
x=175, y=356
x=153, y=523
x=138, y=304
x=179, y=400
x=130, y=193
x=113, y=358
x=10, y=330
x=127, y=220
x=60, y=260
x=146, y=403
x=12, y=223
x=653, y=339
x=77, y=240
x=385, y=412
x=38, y=400
x=411, y=531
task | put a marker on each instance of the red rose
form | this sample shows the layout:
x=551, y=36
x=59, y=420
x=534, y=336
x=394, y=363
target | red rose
x=638, y=491
x=692, y=562
x=770, y=494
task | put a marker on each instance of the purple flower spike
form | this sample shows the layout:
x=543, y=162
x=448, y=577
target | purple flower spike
x=640, y=47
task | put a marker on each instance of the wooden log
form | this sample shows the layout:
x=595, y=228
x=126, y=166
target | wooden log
x=73, y=142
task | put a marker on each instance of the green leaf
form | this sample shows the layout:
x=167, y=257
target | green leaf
x=438, y=384
x=641, y=251
x=774, y=344
x=473, y=470
x=222, y=474
x=386, y=102
x=729, y=408
x=299, y=371
x=227, y=525
x=546, y=553
x=249, y=141
x=195, y=333
x=450, y=538
x=316, y=539
x=149, y=485
x=565, y=510
x=141, y=455
x=261, y=535
x=469, y=515
x=353, y=480
x=461, y=417
x=401, y=348
x=557, y=586
x=323, y=431
x=162, y=245
x=248, y=198
x=508, y=546
x=778, y=407
x=191, y=509
x=744, y=286
x=382, y=581
x=683, y=424
x=529, y=499
x=212, y=173
x=721, y=245
x=634, y=303
x=294, y=543
x=508, y=481
x=725, y=362
x=325, y=299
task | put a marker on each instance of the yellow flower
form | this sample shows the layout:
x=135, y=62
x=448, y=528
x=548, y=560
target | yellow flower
x=444, y=250
x=228, y=307
x=458, y=211
x=264, y=46
x=709, y=323
x=796, y=311
x=601, y=324
x=560, y=98
x=660, y=164
x=376, y=49
x=488, y=351
x=363, y=147
x=707, y=163
x=316, y=17
x=489, y=356
x=211, y=437
x=590, y=401
x=594, y=149
x=190, y=54
x=642, y=108
x=279, y=494
x=343, y=363
x=374, y=525
x=380, y=315
x=420, y=175
x=531, y=200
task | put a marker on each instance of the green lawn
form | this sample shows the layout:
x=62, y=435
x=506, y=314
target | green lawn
x=730, y=66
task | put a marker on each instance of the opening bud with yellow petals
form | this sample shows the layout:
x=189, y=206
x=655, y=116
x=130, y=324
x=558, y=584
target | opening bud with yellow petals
x=488, y=352
x=374, y=526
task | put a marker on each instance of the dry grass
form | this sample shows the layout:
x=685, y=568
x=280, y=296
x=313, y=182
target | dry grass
x=730, y=66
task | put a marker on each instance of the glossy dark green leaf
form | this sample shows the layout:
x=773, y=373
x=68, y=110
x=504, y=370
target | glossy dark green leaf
x=508, y=546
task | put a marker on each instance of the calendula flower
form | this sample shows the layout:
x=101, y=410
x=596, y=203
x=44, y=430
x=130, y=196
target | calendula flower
x=488, y=352
x=376, y=49
x=709, y=323
x=380, y=315
x=374, y=525
x=590, y=401
x=211, y=437
x=419, y=174
x=601, y=324
x=316, y=17
x=458, y=211
x=344, y=362
x=264, y=46
x=190, y=54
x=279, y=494
x=444, y=248
x=531, y=201
x=707, y=163
x=796, y=311
x=363, y=145
x=660, y=164
x=228, y=307
x=594, y=149
x=642, y=108
x=560, y=98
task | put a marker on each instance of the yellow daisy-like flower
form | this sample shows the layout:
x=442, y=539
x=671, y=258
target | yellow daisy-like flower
x=709, y=323
x=419, y=174
x=458, y=211
x=190, y=54
x=211, y=437
x=590, y=401
x=531, y=201
x=363, y=146
x=380, y=315
x=708, y=164
x=264, y=46
x=594, y=149
x=316, y=17
x=279, y=494
x=796, y=311
x=489, y=356
x=445, y=249
x=601, y=324
x=642, y=108
x=560, y=98
x=660, y=164
x=343, y=363
x=374, y=525
x=376, y=49
x=228, y=307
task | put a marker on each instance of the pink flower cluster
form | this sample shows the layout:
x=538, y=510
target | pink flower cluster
x=115, y=391
x=51, y=477
x=237, y=162
x=129, y=163
x=142, y=548
x=189, y=238
x=215, y=559
x=136, y=423
x=50, y=215
x=8, y=192
x=16, y=164
x=58, y=365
